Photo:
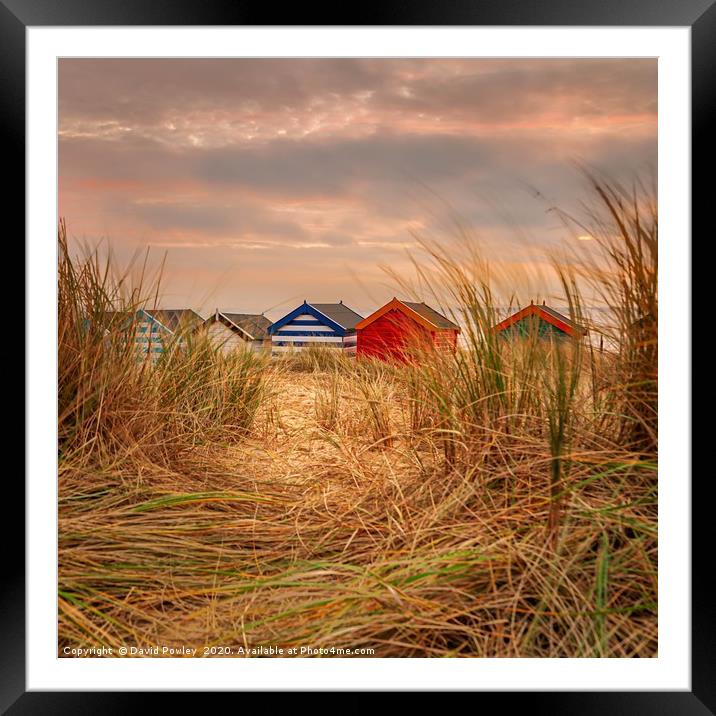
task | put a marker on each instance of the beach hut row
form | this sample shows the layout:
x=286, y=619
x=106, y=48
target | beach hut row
x=390, y=332
x=399, y=326
x=386, y=333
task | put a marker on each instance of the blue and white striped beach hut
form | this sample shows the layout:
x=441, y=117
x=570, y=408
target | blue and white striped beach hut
x=326, y=325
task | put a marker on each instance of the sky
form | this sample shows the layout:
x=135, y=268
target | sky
x=264, y=182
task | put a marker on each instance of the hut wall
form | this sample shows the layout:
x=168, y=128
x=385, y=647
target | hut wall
x=445, y=340
x=304, y=331
x=350, y=343
x=390, y=336
x=226, y=340
x=150, y=337
x=533, y=326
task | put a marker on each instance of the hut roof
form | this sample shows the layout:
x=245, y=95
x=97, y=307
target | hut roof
x=255, y=325
x=430, y=314
x=339, y=313
x=420, y=312
x=548, y=314
x=336, y=315
x=176, y=318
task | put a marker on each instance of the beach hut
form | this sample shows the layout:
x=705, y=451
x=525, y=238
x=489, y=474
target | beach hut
x=149, y=335
x=539, y=320
x=326, y=325
x=400, y=326
x=153, y=331
x=238, y=331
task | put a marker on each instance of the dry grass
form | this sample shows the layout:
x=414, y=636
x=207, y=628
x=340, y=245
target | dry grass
x=486, y=504
x=315, y=537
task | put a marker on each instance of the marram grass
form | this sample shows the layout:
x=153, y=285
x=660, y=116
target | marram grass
x=498, y=502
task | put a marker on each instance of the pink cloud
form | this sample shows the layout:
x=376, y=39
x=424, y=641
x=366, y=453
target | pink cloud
x=298, y=177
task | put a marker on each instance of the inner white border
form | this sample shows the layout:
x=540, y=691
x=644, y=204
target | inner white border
x=671, y=670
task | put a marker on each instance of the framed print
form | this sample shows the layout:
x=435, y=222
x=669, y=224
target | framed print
x=343, y=357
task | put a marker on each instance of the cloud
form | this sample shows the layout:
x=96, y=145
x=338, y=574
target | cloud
x=258, y=98
x=305, y=172
x=338, y=240
x=333, y=165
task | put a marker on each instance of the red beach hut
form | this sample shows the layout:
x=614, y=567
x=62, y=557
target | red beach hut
x=392, y=330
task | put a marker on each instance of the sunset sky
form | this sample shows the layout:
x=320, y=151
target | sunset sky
x=270, y=181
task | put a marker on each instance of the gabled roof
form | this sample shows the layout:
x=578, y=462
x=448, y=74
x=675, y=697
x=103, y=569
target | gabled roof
x=420, y=312
x=253, y=326
x=340, y=313
x=336, y=315
x=546, y=313
x=176, y=318
x=431, y=315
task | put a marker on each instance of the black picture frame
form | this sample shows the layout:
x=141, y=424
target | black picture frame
x=699, y=15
